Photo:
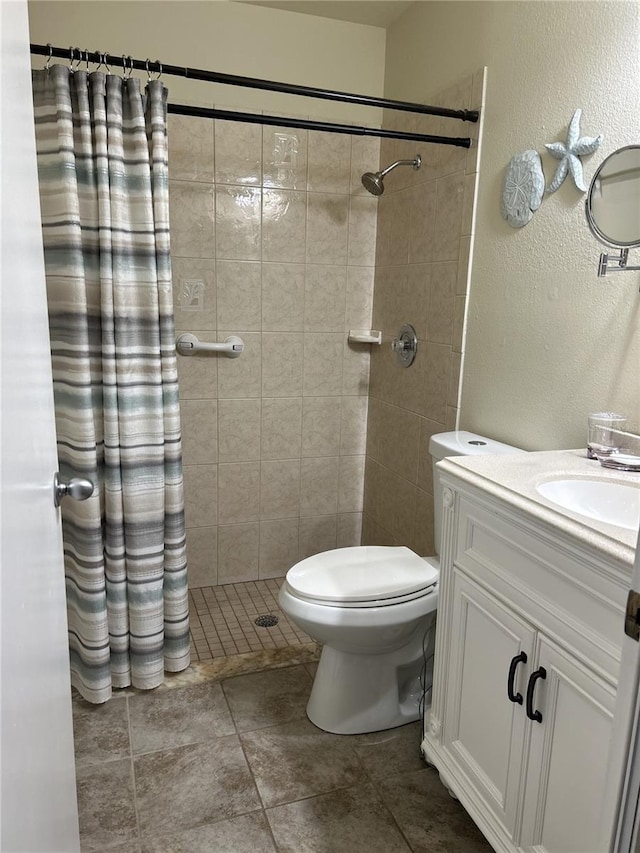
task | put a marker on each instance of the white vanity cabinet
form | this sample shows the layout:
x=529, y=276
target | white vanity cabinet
x=528, y=648
x=568, y=751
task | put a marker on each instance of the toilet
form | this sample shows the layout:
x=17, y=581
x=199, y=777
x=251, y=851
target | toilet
x=373, y=608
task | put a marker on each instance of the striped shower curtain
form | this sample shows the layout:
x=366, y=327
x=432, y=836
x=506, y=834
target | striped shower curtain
x=102, y=165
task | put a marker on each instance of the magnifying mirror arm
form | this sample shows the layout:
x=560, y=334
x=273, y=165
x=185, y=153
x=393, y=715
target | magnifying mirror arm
x=620, y=260
x=612, y=208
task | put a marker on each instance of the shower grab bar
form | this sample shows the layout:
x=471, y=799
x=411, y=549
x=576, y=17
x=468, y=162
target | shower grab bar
x=188, y=344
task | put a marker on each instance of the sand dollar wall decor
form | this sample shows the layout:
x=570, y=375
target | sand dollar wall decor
x=523, y=188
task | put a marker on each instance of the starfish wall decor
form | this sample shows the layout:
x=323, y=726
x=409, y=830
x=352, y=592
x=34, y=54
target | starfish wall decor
x=569, y=154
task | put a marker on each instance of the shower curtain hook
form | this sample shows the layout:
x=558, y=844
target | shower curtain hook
x=72, y=51
x=146, y=65
x=48, y=62
x=86, y=60
x=127, y=71
x=159, y=72
x=103, y=61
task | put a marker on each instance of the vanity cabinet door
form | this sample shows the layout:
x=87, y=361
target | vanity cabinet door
x=484, y=728
x=568, y=753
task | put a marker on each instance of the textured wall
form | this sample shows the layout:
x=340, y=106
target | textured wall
x=273, y=239
x=547, y=340
x=425, y=228
x=234, y=38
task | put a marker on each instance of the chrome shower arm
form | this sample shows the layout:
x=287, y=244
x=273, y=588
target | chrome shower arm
x=415, y=163
x=373, y=181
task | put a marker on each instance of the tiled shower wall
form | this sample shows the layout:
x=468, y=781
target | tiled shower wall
x=273, y=239
x=422, y=264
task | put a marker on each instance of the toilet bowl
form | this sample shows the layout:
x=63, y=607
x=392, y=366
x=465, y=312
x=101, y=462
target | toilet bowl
x=373, y=608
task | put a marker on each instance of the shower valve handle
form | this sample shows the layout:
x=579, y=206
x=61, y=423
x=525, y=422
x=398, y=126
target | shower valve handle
x=405, y=345
x=77, y=488
x=400, y=344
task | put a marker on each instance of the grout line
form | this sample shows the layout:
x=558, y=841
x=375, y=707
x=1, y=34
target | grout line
x=317, y=796
x=248, y=763
x=374, y=784
x=133, y=773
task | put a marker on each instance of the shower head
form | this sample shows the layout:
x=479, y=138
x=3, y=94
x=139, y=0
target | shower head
x=373, y=182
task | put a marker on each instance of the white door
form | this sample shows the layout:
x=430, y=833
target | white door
x=39, y=810
x=484, y=727
x=565, y=801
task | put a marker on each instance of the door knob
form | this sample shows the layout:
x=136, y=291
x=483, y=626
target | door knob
x=77, y=488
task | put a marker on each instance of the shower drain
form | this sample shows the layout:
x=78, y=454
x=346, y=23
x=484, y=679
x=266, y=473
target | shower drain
x=267, y=620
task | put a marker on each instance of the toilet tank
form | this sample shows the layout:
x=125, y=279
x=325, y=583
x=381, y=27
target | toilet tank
x=458, y=443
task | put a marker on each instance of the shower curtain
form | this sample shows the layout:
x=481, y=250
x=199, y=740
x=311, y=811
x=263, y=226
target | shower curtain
x=102, y=165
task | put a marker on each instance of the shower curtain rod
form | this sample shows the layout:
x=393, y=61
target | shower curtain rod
x=74, y=54
x=307, y=124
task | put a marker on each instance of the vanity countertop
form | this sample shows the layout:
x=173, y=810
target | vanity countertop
x=513, y=479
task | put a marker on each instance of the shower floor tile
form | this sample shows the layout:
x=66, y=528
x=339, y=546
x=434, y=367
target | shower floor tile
x=223, y=618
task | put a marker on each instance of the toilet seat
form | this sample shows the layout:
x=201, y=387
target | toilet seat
x=363, y=576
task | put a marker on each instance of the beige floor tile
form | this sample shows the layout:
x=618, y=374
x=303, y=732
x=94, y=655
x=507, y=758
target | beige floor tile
x=428, y=816
x=246, y=834
x=192, y=785
x=297, y=760
x=269, y=698
x=100, y=732
x=387, y=753
x=121, y=848
x=196, y=790
x=105, y=805
x=347, y=821
x=178, y=717
x=323, y=793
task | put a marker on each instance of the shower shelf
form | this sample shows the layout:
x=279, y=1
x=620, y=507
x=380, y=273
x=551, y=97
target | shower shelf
x=365, y=336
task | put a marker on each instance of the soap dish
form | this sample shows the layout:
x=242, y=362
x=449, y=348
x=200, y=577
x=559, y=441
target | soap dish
x=365, y=336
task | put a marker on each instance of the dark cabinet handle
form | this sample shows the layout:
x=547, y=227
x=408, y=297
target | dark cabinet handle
x=534, y=715
x=513, y=696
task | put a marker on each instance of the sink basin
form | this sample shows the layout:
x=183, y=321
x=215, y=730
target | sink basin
x=612, y=503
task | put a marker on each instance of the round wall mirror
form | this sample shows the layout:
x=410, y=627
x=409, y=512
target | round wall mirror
x=613, y=201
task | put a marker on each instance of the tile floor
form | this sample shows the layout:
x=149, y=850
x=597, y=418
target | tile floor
x=234, y=766
x=223, y=620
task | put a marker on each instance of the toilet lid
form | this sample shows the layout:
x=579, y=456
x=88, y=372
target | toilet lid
x=363, y=573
